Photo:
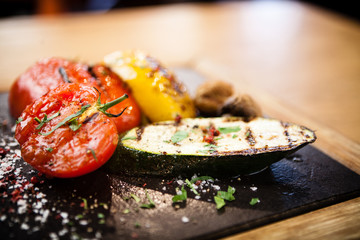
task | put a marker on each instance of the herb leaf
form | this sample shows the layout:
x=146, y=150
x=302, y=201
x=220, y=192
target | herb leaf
x=181, y=197
x=74, y=125
x=151, y=203
x=229, y=129
x=19, y=120
x=254, y=201
x=68, y=118
x=219, y=202
x=93, y=153
x=136, y=198
x=45, y=119
x=179, y=136
x=128, y=138
x=202, y=178
x=227, y=195
x=190, y=185
x=49, y=149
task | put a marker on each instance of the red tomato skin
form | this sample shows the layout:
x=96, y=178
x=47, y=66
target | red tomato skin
x=66, y=153
x=114, y=87
x=41, y=78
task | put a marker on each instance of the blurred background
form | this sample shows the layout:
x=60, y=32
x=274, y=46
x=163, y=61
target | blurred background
x=11, y=8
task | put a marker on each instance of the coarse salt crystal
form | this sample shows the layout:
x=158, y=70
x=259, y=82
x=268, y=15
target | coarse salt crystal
x=185, y=219
x=24, y=226
x=253, y=188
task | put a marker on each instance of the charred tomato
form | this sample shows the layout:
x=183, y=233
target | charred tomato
x=45, y=75
x=68, y=132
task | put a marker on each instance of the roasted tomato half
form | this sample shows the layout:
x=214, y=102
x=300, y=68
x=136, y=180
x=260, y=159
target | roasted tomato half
x=43, y=76
x=68, y=132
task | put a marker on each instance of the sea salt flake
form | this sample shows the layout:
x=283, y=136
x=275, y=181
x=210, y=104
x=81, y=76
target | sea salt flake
x=253, y=188
x=185, y=219
x=24, y=226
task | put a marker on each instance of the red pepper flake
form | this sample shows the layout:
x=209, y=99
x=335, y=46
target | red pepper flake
x=212, y=132
x=3, y=152
x=34, y=180
x=170, y=182
x=198, y=182
x=144, y=185
x=178, y=119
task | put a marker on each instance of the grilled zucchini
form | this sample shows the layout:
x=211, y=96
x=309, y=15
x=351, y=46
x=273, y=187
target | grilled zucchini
x=215, y=146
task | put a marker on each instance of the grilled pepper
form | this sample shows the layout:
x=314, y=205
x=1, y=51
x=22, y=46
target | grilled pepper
x=156, y=90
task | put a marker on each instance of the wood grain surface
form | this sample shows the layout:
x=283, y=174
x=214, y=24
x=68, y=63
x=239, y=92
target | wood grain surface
x=301, y=63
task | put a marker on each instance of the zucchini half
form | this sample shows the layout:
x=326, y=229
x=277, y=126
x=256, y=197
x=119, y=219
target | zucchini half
x=224, y=146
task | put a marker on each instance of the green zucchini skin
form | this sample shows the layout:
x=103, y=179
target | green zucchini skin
x=134, y=162
x=130, y=160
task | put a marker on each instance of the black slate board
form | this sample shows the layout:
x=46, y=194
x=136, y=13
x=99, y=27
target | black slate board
x=99, y=205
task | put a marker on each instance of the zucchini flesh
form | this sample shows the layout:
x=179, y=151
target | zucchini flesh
x=240, y=147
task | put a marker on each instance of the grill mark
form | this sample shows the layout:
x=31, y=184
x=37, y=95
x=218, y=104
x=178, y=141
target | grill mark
x=139, y=133
x=249, y=137
x=91, y=118
x=286, y=133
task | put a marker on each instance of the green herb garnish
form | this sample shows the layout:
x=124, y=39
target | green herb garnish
x=85, y=203
x=100, y=215
x=71, y=117
x=136, y=198
x=74, y=125
x=137, y=224
x=126, y=211
x=219, y=202
x=254, y=201
x=49, y=149
x=45, y=119
x=179, y=136
x=93, y=153
x=151, y=203
x=225, y=130
x=190, y=185
x=202, y=178
x=227, y=195
x=128, y=138
x=19, y=120
x=235, y=136
x=181, y=197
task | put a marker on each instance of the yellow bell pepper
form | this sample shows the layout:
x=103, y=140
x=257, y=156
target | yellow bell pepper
x=157, y=91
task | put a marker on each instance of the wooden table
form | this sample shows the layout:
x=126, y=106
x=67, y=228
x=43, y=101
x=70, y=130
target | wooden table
x=301, y=63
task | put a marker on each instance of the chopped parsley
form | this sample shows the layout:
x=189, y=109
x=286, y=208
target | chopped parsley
x=228, y=196
x=191, y=186
x=222, y=196
x=19, y=120
x=100, y=215
x=128, y=138
x=49, y=149
x=202, y=178
x=219, y=202
x=136, y=198
x=225, y=130
x=74, y=125
x=235, y=136
x=254, y=201
x=126, y=211
x=151, y=203
x=179, y=136
x=181, y=197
